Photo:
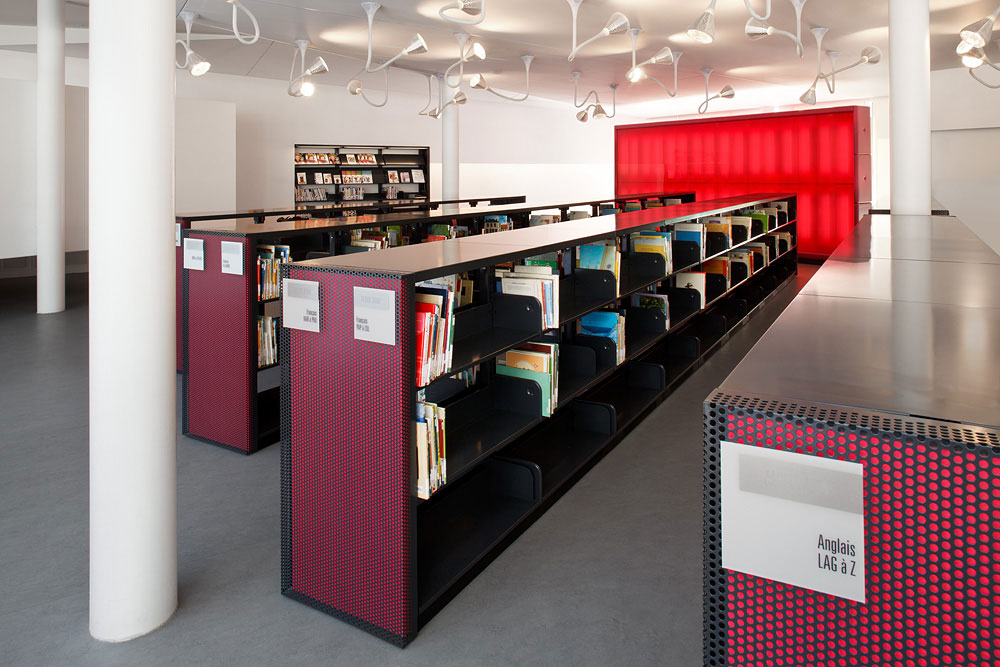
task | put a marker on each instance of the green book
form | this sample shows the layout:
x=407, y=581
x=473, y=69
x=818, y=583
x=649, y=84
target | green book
x=543, y=380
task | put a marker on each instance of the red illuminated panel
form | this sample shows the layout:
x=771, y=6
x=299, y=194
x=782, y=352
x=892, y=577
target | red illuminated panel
x=346, y=436
x=932, y=514
x=813, y=154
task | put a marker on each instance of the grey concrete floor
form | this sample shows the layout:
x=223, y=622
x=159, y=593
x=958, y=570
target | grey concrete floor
x=610, y=575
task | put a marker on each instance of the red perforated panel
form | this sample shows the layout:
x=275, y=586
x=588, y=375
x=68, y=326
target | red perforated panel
x=348, y=498
x=932, y=516
x=813, y=154
x=220, y=352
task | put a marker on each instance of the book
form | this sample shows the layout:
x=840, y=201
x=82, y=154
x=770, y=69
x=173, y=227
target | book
x=741, y=259
x=299, y=158
x=531, y=285
x=496, y=223
x=542, y=219
x=404, y=177
x=393, y=176
x=418, y=175
x=311, y=158
x=351, y=159
x=693, y=232
x=603, y=256
x=722, y=228
x=318, y=178
x=334, y=158
x=654, y=242
x=544, y=381
x=761, y=253
x=300, y=178
x=606, y=324
x=267, y=341
x=693, y=280
x=327, y=178
x=653, y=301
x=269, y=261
x=739, y=226
x=540, y=358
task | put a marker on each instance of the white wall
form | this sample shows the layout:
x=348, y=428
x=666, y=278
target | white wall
x=965, y=143
x=205, y=159
x=17, y=169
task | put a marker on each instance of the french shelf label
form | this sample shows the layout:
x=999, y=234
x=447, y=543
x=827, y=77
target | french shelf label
x=794, y=518
x=300, y=304
x=375, y=315
x=177, y=234
x=232, y=258
x=194, y=254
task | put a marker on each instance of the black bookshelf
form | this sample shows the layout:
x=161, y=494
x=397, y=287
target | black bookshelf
x=506, y=463
x=384, y=163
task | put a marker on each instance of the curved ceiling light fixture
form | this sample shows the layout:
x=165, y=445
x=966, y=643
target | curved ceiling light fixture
x=474, y=9
x=703, y=28
x=727, y=92
x=468, y=48
x=870, y=55
x=758, y=28
x=355, y=87
x=459, y=98
x=595, y=109
x=415, y=46
x=301, y=85
x=664, y=56
x=760, y=17
x=430, y=96
x=237, y=8
x=616, y=24
x=192, y=61
x=975, y=58
x=479, y=81
x=977, y=35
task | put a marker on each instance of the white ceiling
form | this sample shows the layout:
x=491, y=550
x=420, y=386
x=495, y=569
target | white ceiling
x=542, y=28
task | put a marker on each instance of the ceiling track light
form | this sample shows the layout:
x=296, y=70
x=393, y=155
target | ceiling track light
x=475, y=10
x=664, y=56
x=870, y=55
x=975, y=58
x=975, y=38
x=616, y=24
x=193, y=63
x=758, y=28
x=415, y=46
x=479, y=81
x=727, y=92
x=595, y=108
x=703, y=28
x=237, y=8
x=468, y=48
x=301, y=85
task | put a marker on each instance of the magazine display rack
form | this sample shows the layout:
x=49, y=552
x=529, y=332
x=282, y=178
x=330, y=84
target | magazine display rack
x=357, y=542
x=325, y=172
x=227, y=400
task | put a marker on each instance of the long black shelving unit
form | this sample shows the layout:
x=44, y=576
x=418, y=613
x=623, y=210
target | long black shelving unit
x=357, y=542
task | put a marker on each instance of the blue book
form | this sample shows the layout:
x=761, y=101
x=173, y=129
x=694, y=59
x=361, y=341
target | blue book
x=600, y=323
x=590, y=256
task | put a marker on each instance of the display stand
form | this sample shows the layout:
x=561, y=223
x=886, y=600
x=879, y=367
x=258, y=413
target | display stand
x=883, y=376
x=356, y=541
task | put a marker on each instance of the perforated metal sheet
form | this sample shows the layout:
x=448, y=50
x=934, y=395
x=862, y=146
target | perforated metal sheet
x=347, y=492
x=932, y=514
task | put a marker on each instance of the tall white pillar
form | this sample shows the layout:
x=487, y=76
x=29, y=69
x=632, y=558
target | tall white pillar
x=449, y=143
x=50, y=156
x=133, y=413
x=910, y=106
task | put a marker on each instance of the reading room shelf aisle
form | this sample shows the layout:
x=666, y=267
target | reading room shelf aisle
x=229, y=320
x=453, y=391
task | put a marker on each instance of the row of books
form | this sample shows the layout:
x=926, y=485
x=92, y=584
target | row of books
x=267, y=341
x=310, y=194
x=269, y=261
x=436, y=301
x=602, y=255
x=429, y=427
x=541, y=282
x=403, y=176
x=335, y=158
x=352, y=194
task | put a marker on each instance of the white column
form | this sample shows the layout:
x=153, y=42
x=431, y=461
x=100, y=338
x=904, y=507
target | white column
x=910, y=106
x=133, y=414
x=50, y=177
x=449, y=144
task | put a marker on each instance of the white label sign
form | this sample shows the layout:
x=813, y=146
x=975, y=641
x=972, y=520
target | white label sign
x=375, y=315
x=177, y=234
x=794, y=518
x=232, y=258
x=194, y=254
x=300, y=304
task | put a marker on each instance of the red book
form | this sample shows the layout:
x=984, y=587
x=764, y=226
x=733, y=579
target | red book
x=419, y=349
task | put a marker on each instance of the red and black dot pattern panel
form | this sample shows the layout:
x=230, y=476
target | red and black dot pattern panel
x=220, y=348
x=932, y=516
x=347, y=487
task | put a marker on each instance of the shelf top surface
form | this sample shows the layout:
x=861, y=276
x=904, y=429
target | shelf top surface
x=453, y=255
x=309, y=207
x=910, y=334
x=445, y=212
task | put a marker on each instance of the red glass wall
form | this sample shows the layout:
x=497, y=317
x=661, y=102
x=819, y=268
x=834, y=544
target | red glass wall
x=821, y=155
